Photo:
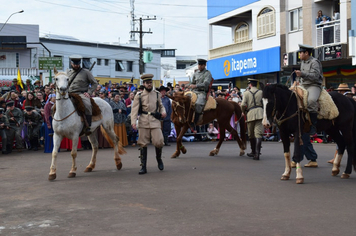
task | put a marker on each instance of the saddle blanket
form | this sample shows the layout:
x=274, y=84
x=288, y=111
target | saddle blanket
x=327, y=108
x=209, y=105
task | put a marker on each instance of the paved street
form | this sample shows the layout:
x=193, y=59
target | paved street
x=194, y=195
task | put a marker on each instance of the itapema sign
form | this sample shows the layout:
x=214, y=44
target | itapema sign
x=48, y=63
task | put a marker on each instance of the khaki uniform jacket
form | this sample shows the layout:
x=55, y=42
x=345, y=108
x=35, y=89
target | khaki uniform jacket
x=248, y=104
x=17, y=113
x=81, y=82
x=311, y=72
x=149, y=104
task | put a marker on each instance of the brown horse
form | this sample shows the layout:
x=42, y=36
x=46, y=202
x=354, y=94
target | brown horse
x=182, y=116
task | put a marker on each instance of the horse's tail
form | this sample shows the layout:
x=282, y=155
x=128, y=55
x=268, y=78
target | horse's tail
x=241, y=119
x=121, y=149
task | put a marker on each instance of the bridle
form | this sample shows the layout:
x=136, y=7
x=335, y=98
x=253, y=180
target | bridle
x=177, y=104
x=61, y=95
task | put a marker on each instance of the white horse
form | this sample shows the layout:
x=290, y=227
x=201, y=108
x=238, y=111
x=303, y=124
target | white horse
x=67, y=123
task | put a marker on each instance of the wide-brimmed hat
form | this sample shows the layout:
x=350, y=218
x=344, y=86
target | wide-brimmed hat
x=343, y=87
x=163, y=88
x=14, y=80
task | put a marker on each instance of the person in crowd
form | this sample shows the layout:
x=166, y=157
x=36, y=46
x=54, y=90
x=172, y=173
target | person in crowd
x=141, y=88
x=15, y=117
x=36, y=83
x=22, y=96
x=15, y=86
x=212, y=132
x=32, y=100
x=39, y=96
x=166, y=124
x=128, y=102
x=13, y=96
x=28, y=86
x=34, y=121
x=252, y=106
x=336, y=16
x=104, y=95
x=131, y=87
x=131, y=133
x=319, y=17
x=48, y=141
x=311, y=78
x=148, y=105
x=200, y=85
x=4, y=130
x=119, y=110
x=82, y=82
x=47, y=92
x=177, y=88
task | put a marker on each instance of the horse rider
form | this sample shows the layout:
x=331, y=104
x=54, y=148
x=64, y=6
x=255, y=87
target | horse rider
x=4, y=130
x=33, y=120
x=200, y=86
x=82, y=82
x=147, y=106
x=252, y=105
x=166, y=126
x=311, y=74
x=15, y=117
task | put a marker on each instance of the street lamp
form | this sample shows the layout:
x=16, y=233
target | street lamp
x=9, y=18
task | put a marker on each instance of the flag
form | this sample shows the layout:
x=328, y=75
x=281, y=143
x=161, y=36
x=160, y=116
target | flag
x=19, y=81
x=174, y=82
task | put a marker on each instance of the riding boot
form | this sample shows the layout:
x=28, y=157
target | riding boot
x=87, y=129
x=313, y=120
x=253, y=147
x=166, y=141
x=159, y=158
x=258, y=149
x=143, y=157
x=35, y=143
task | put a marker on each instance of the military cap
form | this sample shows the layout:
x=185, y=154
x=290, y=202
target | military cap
x=14, y=80
x=251, y=80
x=305, y=48
x=76, y=59
x=201, y=61
x=147, y=77
x=163, y=88
x=29, y=108
x=10, y=103
x=343, y=87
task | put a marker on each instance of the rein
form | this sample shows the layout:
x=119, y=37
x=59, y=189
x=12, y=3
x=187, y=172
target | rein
x=183, y=107
x=66, y=116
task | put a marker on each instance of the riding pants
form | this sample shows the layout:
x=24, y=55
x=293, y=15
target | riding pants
x=255, y=129
x=145, y=135
x=313, y=96
x=200, y=103
x=87, y=104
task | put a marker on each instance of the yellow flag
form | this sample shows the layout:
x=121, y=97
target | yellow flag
x=19, y=81
x=174, y=82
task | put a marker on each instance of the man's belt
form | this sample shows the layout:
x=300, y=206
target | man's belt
x=156, y=115
x=254, y=108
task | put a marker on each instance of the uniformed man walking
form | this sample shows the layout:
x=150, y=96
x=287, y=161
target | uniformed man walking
x=311, y=74
x=82, y=82
x=252, y=106
x=4, y=127
x=200, y=85
x=148, y=107
x=33, y=120
x=15, y=117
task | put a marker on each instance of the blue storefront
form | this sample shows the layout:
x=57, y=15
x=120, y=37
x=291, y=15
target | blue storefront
x=263, y=65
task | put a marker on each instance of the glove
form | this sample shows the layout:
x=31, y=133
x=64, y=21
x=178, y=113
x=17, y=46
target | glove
x=115, y=110
x=157, y=115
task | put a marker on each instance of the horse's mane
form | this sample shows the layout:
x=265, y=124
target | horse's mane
x=61, y=73
x=274, y=86
x=180, y=97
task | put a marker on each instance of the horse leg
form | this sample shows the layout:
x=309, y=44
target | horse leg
x=298, y=158
x=339, y=139
x=288, y=167
x=180, y=132
x=238, y=139
x=56, y=143
x=94, y=145
x=115, y=140
x=72, y=172
x=216, y=150
x=348, y=138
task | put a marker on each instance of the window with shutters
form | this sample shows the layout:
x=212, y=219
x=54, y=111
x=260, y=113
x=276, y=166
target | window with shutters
x=266, y=23
x=241, y=32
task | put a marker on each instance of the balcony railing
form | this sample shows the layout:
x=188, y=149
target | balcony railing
x=23, y=71
x=328, y=33
x=231, y=49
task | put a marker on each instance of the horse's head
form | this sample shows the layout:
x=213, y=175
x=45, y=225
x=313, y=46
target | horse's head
x=180, y=107
x=61, y=82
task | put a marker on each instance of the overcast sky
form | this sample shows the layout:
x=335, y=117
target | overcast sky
x=181, y=25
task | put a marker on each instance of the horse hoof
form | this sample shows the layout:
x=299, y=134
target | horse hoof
x=300, y=181
x=52, y=177
x=119, y=166
x=211, y=154
x=335, y=172
x=88, y=169
x=345, y=176
x=242, y=153
x=284, y=177
x=71, y=175
x=184, y=151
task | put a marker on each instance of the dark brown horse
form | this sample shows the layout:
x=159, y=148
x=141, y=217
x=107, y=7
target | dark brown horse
x=182, y=116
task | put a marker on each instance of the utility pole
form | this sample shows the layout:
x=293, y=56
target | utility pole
x=141, y=37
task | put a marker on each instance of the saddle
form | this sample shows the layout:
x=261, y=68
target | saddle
x=327, y=108
x=209, y=105
x=79, y=106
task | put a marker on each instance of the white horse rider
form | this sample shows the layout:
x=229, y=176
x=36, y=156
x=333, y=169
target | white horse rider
x=67, y=123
